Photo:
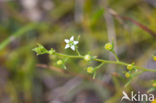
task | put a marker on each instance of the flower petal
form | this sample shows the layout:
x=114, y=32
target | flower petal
x=66, y=41
x=67, y=46
x=73, y=47
x=76, y=42
x=72, y=38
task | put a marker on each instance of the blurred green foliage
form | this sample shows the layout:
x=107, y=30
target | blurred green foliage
x=26, y=82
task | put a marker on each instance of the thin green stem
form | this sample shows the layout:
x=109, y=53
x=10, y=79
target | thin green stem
x=17, y=34
x=99, y=66
x=106, y=62
x=68, y=56
x=96, y=68
x=116, y=57
x=94, y=75
x=77, y=51
x=134, y=75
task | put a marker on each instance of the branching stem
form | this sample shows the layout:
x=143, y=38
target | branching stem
x=107, y=62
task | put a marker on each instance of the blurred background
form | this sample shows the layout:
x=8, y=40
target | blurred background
x=27, y=78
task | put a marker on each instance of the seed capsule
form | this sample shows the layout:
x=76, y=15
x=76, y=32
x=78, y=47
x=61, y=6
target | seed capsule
x=154, y=58
x=108, y=46
x=154, y=85
x=90, y=70
x=130, y=67
x=87, y=57
x=59, y=62
x=127, y=75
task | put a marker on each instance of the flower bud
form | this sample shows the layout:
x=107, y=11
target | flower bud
x=87, y=57
x=59, y=62
x=51, y=51
x=129, y=66
x=154, y=58
x=90, y=70
x=127, y=75
x=109, y=46
x=40, y=49
x=154, y=84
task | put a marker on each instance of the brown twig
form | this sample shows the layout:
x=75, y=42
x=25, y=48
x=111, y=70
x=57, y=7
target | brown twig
x=124, y=18
x=59, y=70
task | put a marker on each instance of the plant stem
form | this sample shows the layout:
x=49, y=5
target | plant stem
x=19, y=33
x=134, y=75
x=77, y=51
x=106, y=62
x=68, y=56
x=99, y=66
x=116, y=57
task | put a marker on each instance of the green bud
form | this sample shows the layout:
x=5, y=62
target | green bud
x=51, y=51
x=154, y=58
x=109, y=46
x=130, y=66
x=87, y=57
x=59, y=62
x=154, y=84
x=127, y=75
x=90, y=70
x=40, y=50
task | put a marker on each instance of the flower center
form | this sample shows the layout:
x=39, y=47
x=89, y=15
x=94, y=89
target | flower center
x=71, y=43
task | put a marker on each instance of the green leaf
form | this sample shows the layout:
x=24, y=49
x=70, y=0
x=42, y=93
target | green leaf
x=96, y=16
x=51, y=51
x=40, y=50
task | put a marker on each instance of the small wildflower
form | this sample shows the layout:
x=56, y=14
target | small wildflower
x=154, y=84
x=109, y=46
x=71, y=43
x=154, y=58
x=90, y=70
x=59, y=62
x=129, y=66
x=127, y=75
x=87, y=57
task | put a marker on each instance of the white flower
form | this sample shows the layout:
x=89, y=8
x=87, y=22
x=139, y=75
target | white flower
x=70, y=43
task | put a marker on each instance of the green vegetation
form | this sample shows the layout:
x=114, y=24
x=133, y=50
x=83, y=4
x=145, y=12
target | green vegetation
x=114, y=50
